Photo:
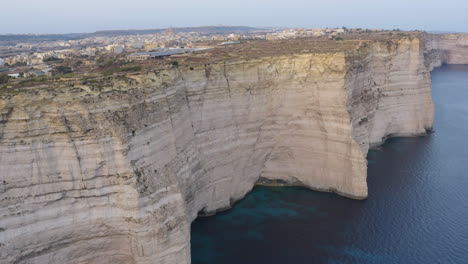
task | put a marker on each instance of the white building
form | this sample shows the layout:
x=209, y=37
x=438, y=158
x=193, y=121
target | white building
x=14, y=75
x=116, y=49
x=234, y=37
x=137, y=45
x=2, y=62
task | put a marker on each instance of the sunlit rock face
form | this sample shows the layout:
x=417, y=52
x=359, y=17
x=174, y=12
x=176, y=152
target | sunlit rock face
x=114, y=171
x=446, y=49
x=389, y=91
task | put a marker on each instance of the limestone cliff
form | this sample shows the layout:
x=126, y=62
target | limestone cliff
x=446, y=49
x=389, y=91
x=114, y=170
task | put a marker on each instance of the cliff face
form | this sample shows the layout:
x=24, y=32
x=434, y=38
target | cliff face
x=446, y=49
x=114, y=172
x=389, y=91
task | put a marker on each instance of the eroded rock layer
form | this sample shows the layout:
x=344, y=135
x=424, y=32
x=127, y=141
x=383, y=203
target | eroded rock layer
x=389, y=91
x=446, y=49
x=115, y=170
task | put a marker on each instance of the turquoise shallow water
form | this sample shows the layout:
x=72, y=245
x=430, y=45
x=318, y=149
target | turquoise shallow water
x=417, y=211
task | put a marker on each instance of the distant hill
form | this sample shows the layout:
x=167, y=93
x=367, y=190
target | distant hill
x=12, y=39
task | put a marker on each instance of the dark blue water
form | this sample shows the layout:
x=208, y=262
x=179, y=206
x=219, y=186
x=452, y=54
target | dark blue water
x=417, y=211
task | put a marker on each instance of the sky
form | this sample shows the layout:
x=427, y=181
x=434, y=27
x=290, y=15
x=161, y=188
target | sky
x=67, y=16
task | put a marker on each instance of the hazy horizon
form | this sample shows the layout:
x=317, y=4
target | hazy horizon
x=53, y=16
